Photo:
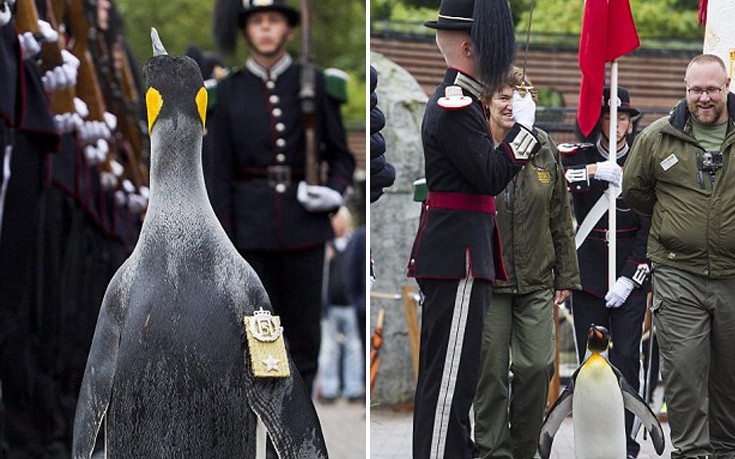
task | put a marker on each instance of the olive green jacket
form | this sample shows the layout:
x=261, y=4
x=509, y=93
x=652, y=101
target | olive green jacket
x=693, y=221
x=535, y=223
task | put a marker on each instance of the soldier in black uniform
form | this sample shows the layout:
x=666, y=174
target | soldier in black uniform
x=255, y=174
x=455, y=256
x=622, y=308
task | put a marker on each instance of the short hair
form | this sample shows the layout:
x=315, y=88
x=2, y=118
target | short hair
x=706, y=59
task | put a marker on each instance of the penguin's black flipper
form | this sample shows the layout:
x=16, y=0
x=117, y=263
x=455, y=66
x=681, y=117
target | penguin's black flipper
x=636, y=405
x=560, y=410
x=99, y=374
x=284, y=405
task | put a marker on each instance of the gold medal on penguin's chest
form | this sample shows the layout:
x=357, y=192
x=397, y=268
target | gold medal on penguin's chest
x=267, y=347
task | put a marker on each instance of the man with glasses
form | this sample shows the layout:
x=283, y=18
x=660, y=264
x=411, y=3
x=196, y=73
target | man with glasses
x=679, y=172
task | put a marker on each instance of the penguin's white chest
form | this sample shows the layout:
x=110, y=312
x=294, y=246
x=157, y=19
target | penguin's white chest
x=598, y=412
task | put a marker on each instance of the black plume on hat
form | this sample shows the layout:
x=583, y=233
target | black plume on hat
x=494, y=42
x=225, y=28
x=490, y=25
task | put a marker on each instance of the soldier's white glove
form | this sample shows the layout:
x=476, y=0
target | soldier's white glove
x=121, y=198
x=47, y=32
x=81, y=107
x=68, y=122
x=97, y=153
x=5, y=14
x=110, y=120
x=619, y=293
x=609, y=171
x=29, y=46
x=317, y=198
x=91, y=131
x=524, y=109
x=62, y=76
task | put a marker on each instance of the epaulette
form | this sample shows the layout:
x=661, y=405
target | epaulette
x=335, y=81
x=568, y=149
x=454, y=99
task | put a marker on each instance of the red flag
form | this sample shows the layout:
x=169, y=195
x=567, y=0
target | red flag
x=702, y=13
x=608, y=32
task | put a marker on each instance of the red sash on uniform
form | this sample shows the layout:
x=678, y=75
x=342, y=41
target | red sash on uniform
x=472, y=203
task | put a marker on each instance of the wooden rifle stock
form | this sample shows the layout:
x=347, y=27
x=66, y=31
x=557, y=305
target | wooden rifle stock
x=308, y=97
x=88, y=85
x=62, y=100
x=133, y=131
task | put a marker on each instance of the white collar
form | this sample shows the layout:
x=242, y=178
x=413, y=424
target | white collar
x=602, y=148
x=468, y=84
x=269, y=74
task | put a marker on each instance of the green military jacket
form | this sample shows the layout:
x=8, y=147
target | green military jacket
x=693, y=219
x=535, y=223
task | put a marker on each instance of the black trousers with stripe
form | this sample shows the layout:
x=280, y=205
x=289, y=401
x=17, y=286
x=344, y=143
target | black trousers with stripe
x=449, y=366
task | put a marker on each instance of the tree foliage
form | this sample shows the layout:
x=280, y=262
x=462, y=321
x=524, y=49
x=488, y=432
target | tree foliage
x=338, y=36
x=653, y=18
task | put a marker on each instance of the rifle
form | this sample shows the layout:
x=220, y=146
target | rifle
x=88, y=84
x=133, y=128
x=112, y=67
x=308, y=97
x=62, y=99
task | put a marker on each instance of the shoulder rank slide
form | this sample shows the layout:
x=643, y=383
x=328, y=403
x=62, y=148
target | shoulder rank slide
x=454, y=99
x=266, y=345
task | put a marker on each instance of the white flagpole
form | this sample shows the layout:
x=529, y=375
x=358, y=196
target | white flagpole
x=611, y=189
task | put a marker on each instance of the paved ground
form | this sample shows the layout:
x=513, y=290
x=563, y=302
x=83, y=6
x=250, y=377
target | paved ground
x=390, y=437
x=344, y=429
x=343, y=425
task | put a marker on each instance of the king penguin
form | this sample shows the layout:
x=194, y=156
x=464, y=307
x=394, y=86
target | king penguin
x=169, y=369
x=598, y=395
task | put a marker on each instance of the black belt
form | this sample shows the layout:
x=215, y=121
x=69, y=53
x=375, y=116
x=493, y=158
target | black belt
x=277, y=176
x=601, y=235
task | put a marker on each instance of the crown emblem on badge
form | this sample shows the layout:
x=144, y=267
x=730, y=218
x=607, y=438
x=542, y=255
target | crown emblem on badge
x=264, y=327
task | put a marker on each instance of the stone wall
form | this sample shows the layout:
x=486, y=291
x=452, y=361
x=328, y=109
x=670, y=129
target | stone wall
x=393, y=224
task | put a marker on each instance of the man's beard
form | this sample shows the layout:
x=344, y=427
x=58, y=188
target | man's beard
x=706, y=120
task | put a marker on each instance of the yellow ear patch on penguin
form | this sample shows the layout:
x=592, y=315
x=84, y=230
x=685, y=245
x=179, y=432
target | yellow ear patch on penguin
x=201, y=100
x=153, y=102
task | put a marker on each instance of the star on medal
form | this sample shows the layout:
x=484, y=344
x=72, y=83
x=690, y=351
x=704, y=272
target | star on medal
x=271, y=363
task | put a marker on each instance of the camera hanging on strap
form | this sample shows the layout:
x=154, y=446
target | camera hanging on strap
x=708, y=162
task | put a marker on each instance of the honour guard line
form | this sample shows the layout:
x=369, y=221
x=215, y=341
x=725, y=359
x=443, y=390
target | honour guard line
x=73, y=192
